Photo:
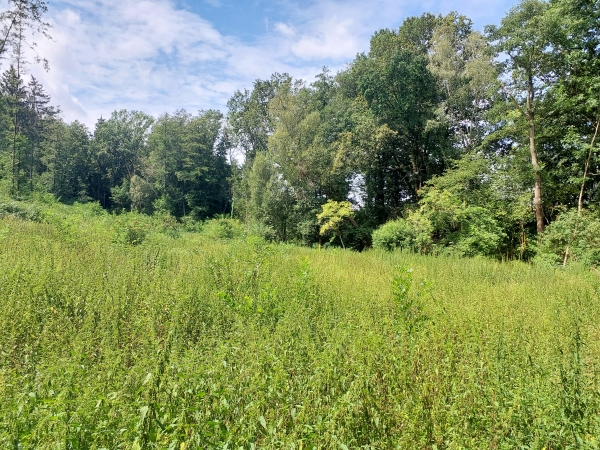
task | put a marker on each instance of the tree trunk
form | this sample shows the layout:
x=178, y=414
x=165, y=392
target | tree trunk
x=14, y=187
x=32, y=156
x=537, y=190
x=587, y=166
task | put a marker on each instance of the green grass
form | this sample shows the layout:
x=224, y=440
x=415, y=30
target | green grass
x=183, y=341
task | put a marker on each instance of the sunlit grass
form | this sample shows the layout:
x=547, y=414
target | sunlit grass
x=185, y=341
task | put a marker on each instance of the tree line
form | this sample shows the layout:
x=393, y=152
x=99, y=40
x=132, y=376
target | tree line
x=441, y=137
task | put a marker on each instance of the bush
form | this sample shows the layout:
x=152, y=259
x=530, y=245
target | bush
x=442, y=224
x=89, y=210
x=168, y=225
x=190, y=224
x=223, y=228
x=395, y=234
x=20, y=210
x=456, y=227
x=132, y=228
x=571, y=238
x=257, y=228
x=478, y=234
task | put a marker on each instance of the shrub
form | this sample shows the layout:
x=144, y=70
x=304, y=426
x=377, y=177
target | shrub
x=442, y=224
x=20, y=210
x=478, y=234
x=89, y=209
x=332, y=217
x=571, y=238
x=223, y=228
x=456, y=227
x=257, y=228
x=190, y=224
x=132, y=228
x=168, y=225
x=395, y=234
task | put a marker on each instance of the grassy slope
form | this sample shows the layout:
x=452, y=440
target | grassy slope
x=197, y=343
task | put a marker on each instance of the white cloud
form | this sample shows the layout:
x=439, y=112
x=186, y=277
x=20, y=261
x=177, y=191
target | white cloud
x=139, y=55
x=285, y=29
x=333, y=30
x=332, y=39
x=153, y=56
x=148, y=55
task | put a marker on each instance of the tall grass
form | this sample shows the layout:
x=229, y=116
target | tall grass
x=181, y=341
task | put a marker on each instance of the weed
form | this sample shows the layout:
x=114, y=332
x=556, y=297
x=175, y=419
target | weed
x=110, y=339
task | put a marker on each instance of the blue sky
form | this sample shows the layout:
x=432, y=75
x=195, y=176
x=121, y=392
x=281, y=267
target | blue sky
x=160, y=55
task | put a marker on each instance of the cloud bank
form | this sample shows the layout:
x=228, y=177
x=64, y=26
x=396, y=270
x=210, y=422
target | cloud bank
x=158, y=56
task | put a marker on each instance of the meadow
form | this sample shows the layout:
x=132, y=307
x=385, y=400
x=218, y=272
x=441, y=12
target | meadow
x=127, y=332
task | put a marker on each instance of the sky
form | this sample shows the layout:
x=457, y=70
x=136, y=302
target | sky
x=158, y=56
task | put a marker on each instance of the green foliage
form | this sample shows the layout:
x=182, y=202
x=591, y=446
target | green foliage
x=283, y=187
x=160, y=328
x=410, y=304
x=479, y=233
x=263, y=230
x=20, y=210
x=223, y=228
x=395, y=234
x=437, y=123
x=572, y=238
x=132, y=231
x=395, y=96
x=443, y=224
x=331, y=218
x=249, y=117
x=462, y=62
x=120, y=196
x=118, y=151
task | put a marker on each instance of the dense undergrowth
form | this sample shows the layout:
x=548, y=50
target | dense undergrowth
x=131, y=332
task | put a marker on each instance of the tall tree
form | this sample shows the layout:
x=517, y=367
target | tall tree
x=24, y=16
x=302, y=153
x=248, y=116
x=14, y=93
x=165, y=144
x=524, y=39
x=38, y=114
x=204, y=170
x=66, y=159
x=462, y=62
x=22, y=20
x=119, y=145
x=186, y=168
x=576, y=94
x=401, y=95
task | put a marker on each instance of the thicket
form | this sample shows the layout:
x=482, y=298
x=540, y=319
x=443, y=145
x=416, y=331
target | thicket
x=190, y=341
